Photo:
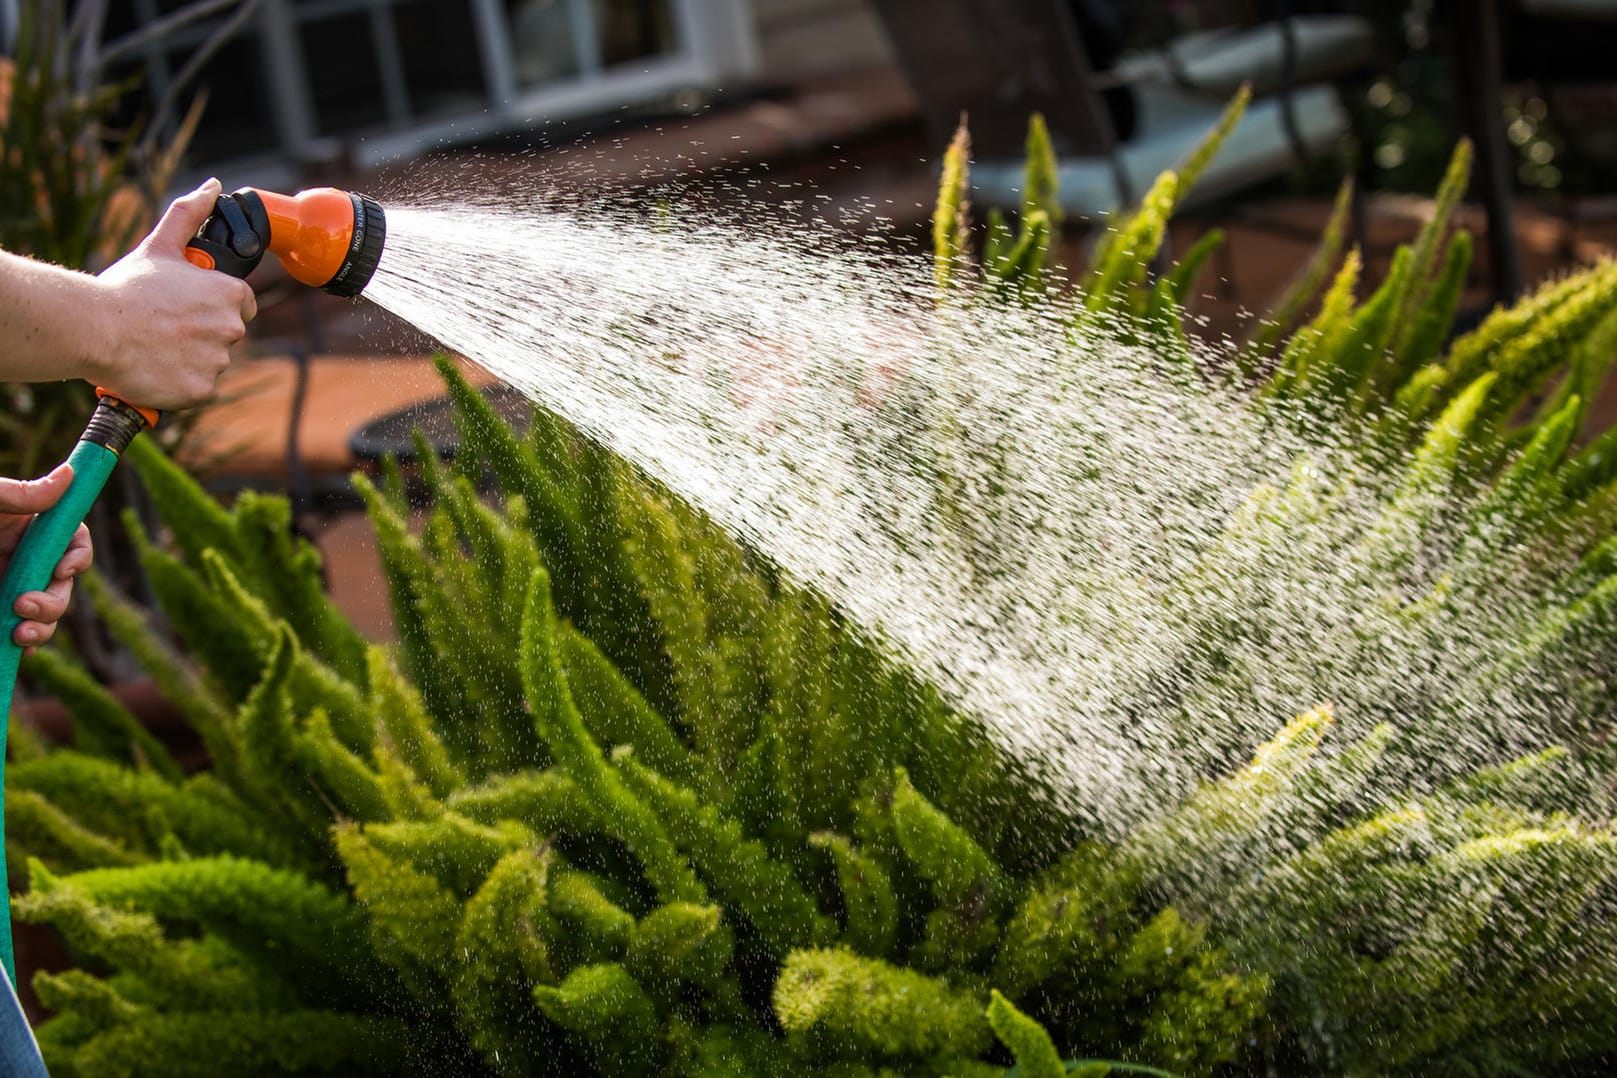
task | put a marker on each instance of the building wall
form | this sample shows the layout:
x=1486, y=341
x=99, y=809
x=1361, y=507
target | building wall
x=807, y=37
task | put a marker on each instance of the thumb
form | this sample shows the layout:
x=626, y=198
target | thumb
x=183, y=217
x=29, y=496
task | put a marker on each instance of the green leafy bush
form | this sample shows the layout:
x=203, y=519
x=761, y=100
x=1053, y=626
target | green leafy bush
x=622, y=801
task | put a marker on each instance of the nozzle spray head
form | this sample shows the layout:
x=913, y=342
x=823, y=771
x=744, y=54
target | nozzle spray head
x=325, y=238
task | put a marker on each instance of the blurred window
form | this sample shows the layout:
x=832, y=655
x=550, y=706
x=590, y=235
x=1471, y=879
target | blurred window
x=309, y=79
x=555, y=39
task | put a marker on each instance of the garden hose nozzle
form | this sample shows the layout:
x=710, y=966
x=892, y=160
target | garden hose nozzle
x=325, y=238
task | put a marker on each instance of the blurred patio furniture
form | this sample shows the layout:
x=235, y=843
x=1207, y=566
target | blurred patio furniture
x=999, y=60
x=1550, y=42
x=394, y=434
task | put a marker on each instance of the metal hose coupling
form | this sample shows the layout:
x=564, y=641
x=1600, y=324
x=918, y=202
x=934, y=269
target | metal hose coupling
x=114, y=423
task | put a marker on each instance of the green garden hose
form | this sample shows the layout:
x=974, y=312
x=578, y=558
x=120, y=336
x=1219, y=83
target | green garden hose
x=112, y=427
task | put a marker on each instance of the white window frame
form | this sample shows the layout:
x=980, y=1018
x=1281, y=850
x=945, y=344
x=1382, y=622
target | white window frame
x=715, y=46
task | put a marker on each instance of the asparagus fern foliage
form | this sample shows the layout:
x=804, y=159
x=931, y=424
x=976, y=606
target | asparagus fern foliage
x=621, y=801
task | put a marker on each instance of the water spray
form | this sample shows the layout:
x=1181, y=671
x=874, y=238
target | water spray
x=325, y=238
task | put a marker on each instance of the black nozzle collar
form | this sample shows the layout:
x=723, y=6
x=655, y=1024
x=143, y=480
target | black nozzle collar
x=364, y=249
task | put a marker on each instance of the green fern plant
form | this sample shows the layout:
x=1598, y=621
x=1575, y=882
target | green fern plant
x=622, y=801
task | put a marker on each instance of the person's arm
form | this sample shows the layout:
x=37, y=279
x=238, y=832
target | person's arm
x=48, y=319
x=152, y=328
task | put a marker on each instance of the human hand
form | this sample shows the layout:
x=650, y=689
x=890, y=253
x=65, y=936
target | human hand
x=40, y=610
x=168, y=326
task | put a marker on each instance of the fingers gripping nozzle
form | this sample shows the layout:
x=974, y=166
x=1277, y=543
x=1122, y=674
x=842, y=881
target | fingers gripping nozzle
x=325, y=238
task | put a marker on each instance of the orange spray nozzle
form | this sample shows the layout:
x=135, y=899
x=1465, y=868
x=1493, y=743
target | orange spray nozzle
x=326, y=238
